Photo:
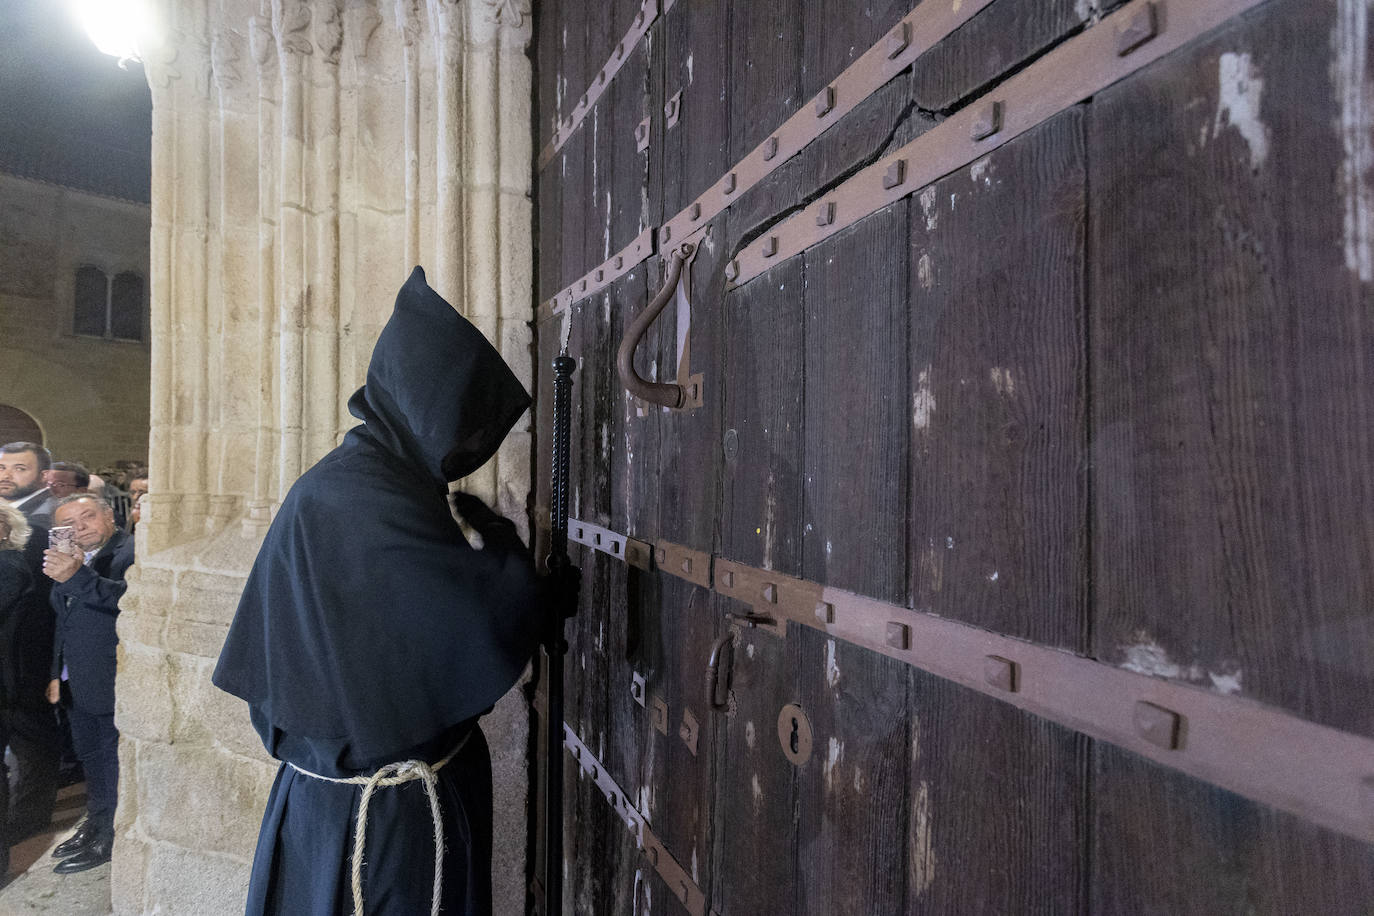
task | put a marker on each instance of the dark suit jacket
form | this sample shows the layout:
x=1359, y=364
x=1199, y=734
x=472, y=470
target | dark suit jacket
x=86, y=606
x=26, y=625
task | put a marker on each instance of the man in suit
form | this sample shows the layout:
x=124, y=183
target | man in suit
x=21, y=481
x=85, y=596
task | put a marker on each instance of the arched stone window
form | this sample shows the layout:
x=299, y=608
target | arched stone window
x=108, y=307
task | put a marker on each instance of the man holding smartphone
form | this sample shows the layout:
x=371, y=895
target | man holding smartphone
x=87, y=585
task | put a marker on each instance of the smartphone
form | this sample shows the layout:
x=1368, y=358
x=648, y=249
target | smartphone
x=63, y=538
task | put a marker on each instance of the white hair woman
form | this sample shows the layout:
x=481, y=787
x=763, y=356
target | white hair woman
x=14, y=528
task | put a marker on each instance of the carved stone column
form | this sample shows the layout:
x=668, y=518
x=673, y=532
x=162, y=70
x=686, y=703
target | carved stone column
x=265, y=444
x=291, y=26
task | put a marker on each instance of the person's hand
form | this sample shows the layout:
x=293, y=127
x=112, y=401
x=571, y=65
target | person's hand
x=58, y=566
x=496, y=530
x=54, y=691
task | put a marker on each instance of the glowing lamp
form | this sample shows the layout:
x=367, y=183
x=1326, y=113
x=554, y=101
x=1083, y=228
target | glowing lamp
x=119, y=28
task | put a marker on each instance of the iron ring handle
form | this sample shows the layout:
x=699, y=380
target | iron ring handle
x=664, y=394
x=715, y=695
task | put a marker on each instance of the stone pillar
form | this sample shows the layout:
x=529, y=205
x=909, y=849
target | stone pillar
x=305, y=156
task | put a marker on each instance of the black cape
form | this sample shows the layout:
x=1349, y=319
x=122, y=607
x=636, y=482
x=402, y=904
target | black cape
x=369, y=630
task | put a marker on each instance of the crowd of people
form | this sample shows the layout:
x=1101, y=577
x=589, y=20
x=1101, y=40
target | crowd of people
x=66, y=541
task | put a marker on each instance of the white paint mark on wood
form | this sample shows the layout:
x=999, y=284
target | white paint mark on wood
x=981, y=170
x=1002, y=381
x=832, y=667
x=992, y=576
x=933, y=568
x=922, y=402
x=1355, y=92
x=1240, y=87
x=925, y=271
x=833, y=759
x=928, y=207
x=770, y=510
x=689, y=69
x=858, y=781
x=1148, y=657
x=749, y=650
x=757, y=793
x=1228, y=684
x=922, y=850
x=750, y=735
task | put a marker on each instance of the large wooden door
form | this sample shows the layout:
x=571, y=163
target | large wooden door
x=1028, y=505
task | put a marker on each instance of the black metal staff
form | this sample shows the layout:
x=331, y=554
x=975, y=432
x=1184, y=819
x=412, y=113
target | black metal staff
x=566, y=579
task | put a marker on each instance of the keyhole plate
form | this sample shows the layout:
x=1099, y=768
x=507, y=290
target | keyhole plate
x=794, y=734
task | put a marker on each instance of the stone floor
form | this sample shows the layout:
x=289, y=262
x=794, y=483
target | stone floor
x=33, y=887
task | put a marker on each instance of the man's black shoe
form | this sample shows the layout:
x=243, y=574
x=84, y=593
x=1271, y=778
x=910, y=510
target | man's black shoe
x=95, y=853
x=78, y=841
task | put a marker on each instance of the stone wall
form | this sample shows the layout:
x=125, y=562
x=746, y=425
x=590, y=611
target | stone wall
x=89, y=396
x=305, y=157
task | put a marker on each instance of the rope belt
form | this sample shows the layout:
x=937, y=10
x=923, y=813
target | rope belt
x=395, y=774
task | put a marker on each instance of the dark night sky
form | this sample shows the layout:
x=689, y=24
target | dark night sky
x=69, y=114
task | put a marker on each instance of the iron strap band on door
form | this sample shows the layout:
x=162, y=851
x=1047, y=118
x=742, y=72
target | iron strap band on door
x=668, y=868
x=917, y=32
x=601, y=276
x=1264, y=753
x=1137, y=34
x=620, y=546
x=648, y=12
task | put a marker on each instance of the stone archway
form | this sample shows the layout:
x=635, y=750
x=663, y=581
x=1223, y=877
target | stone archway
x=18, y=426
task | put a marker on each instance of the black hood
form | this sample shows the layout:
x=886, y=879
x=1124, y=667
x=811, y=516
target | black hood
x=368, y=620
x=438, y=394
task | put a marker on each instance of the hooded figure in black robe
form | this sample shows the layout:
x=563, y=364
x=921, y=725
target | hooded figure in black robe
x=371, y=632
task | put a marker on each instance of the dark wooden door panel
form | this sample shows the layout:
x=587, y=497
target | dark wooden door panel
x=997, y=400
x=998, y=807
x=855, y=427
x=756, y=799
x=765, y=70
x=761, y=516
x=1131, y=419
x=1167, y=844
x=1232, y=352
x=836, y=32
x=996, y=42
x=696, y=44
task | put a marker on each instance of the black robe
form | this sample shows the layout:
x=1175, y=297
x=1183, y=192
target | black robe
x=371, y=632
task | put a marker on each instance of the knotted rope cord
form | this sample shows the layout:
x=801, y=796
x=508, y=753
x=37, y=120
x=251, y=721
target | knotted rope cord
x=395, y=774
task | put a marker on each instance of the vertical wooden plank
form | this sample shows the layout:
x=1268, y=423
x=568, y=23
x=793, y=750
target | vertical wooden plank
x=1233, y=490
x=998, y=507
x=761, y=525
x=999, y=497
x=1165, y=843
x=1232, y=352
x=855, y=427
x=765, y=70
x=689, y=453
x=1000, y=39
x=997, y=807
x=836, y=33
x=853, y=791
x=697, y=43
